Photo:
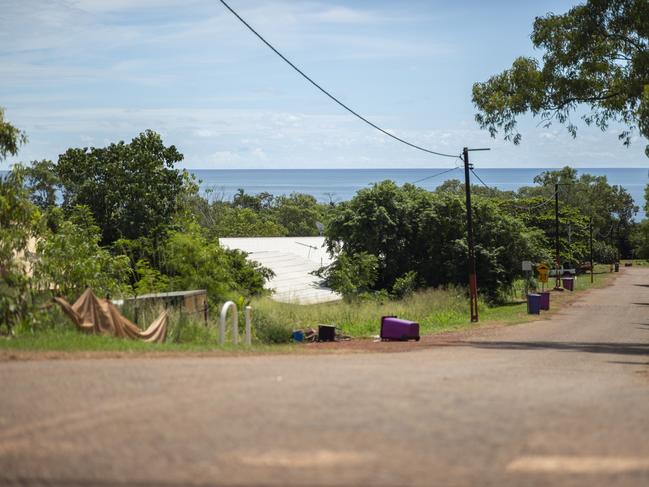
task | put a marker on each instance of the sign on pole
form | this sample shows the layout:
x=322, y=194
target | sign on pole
x=544, y=272
x=527, y=265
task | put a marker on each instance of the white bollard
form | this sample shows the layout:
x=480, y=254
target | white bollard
x=248, y=325
x=235, y=323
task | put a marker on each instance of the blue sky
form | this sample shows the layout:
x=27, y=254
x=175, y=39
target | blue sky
x=76, y=73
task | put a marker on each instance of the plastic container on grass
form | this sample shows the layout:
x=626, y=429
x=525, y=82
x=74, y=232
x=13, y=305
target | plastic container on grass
x=545, y=300
x=568, y=283
x=534, y=304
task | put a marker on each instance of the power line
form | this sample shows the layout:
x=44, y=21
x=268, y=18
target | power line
x=480, y=179
x=544, y=203
x=549, y=200
x=356, y=114
x=434, y=175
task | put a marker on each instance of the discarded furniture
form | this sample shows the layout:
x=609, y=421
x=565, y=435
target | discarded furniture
x=326, y=333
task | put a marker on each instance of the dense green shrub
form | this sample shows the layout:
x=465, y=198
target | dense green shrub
x=409, y=229
x=20, y=223
x=193, y=260
x=270, y=327
x=71, y=259
x=351, y=274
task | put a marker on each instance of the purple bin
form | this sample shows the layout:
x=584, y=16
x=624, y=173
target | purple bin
x=545, y=300
x=568, y=283
x=393, y=328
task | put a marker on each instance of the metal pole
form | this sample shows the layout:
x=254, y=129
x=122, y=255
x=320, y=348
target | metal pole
x=557, y=284
x=473, y=281
x=591, y=249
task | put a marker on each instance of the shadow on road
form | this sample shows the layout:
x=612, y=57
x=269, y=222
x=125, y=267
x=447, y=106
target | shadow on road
x=612, y=348
x=627, y=363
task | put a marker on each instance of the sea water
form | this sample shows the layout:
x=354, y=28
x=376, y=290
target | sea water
x=342, y=184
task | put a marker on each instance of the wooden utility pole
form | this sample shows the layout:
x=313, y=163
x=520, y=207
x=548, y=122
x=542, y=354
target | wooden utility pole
x=591, y=248
x=557, y=283
x=473, y=279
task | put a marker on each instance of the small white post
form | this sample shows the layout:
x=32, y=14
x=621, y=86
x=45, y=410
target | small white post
x=248, y=325
x=235, y=323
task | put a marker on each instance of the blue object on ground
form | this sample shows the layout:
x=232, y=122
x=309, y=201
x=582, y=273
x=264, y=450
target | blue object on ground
x=534, y=304
x=298, y=336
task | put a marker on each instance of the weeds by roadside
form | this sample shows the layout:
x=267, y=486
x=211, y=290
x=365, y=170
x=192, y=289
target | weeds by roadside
x=436, y=311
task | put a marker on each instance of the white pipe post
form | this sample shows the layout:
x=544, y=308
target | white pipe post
x=235, y=323
x=248, y=325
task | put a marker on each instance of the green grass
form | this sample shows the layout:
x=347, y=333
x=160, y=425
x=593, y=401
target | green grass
x=69, y=340
x=435, y=310
x=635, y=262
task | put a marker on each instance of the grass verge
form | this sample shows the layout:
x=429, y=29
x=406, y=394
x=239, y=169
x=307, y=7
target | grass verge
x=436, y=311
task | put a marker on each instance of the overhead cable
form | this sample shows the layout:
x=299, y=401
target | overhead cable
x=546, y=202
x=480, y=179
x=356, y=114
x=434, y=175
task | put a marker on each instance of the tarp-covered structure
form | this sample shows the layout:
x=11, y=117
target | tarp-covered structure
x=99, y=316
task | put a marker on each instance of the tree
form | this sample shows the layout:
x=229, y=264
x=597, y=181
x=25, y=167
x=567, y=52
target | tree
x=20, y=224
x=351, y=275
x=407, y=229
x=11, y=138
x=244, y=222
x=610, y=206
x=596, y=55
x=42, y=183
x=298, y=213
x=71, y=259
x=132, y=189
x=192, y=260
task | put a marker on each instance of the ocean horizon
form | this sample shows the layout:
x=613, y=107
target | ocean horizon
x=342, y=184
x=335, y=185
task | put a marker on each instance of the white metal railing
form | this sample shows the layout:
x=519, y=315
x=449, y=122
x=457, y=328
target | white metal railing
x=235, y=323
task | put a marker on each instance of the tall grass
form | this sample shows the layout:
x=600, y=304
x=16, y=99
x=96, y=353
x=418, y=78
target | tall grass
x=434, y=310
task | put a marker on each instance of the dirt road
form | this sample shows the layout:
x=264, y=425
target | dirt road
x=559, y=402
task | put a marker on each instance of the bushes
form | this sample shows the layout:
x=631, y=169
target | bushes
x=71, y=259
x=20, y=222
x=261, y=215
x=408, y=229
x=351, y=275
x=192, y=260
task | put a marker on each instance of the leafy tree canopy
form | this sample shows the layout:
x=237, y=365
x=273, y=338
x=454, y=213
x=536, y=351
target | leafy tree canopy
x=132, y=189
x=596, y=55
x=407, y=229
x=11, y=138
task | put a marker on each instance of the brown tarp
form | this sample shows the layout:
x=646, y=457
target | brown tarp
x=99, y=316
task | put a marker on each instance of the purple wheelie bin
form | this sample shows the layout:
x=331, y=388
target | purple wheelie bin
x=393, y=328
x=545, y=300
x=568, y=283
